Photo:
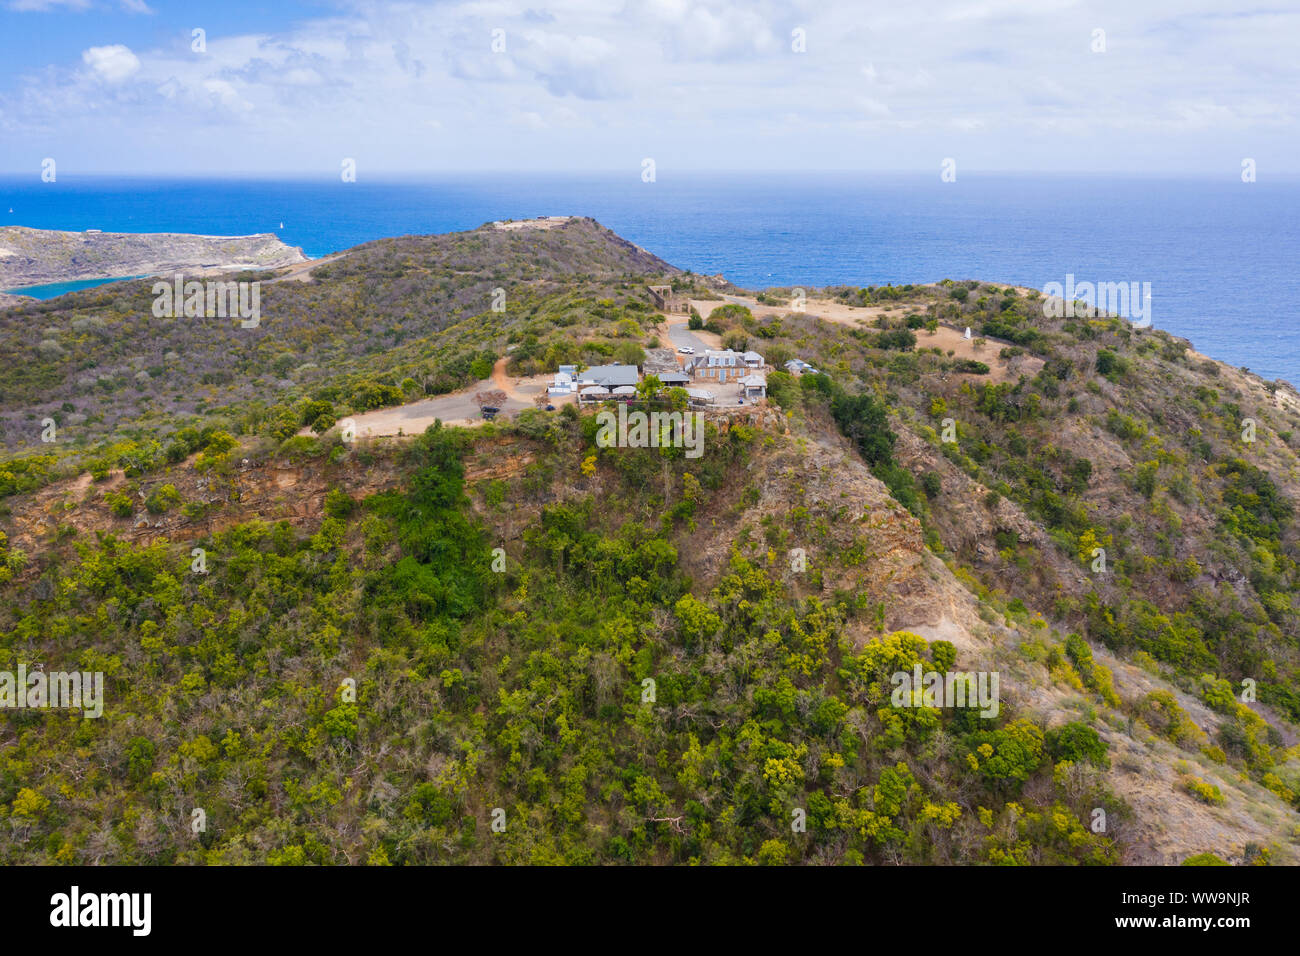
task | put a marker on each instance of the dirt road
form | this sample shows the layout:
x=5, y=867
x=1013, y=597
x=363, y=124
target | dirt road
x=455, y=408
x=945, y=338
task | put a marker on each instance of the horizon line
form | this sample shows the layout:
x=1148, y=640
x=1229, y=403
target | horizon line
x=1230, y=174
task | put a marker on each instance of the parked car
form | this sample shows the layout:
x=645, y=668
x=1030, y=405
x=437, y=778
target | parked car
x=686, y=350
x=489, y=412
x=550, y=408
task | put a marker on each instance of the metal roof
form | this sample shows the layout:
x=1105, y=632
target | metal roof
x=610, y=375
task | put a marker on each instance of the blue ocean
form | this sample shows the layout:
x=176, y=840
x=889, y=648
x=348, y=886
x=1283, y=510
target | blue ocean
x=1221, y=255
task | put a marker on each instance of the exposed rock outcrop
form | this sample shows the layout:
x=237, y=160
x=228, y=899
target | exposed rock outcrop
x=41, y=256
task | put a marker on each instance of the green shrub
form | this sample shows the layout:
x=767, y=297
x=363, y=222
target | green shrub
x=162, y=499
x=1205, y=859
x=1008, y=755
x=339, y=504
x=1077, y=743
x=121, y=505
x=1111, y=365
x=1205, y=792
x=864, y=420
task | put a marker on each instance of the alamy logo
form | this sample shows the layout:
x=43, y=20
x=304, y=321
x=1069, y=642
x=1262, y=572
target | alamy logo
x=209, y=300
x=653, y=430
x=953, y=689
x=103, y=909
x=74, y=690
x=1130, y=300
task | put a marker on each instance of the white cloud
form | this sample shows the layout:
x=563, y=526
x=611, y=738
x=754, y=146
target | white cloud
x=718, y=31
x=224, y=94
x=695, y=83
x=113, y=64
x=584, y=66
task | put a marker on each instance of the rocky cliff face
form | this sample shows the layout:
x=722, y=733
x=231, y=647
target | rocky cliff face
x=40, y=256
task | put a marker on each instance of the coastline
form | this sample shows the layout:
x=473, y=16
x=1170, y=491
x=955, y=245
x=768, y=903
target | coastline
x=41, y=257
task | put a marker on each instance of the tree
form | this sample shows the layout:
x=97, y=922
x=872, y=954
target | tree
x=777, y=355
x=490, y=398
x=1110, y=364
x=317, y=409
x=783, y=389
x=735, y=340
x=1009, y=754
x=648, y=387
x=902, y=340
x=731, y=313
x=1077, y=742
x=629, y=353
x=863, y=419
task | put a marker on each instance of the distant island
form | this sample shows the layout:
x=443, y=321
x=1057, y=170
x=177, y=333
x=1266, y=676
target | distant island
x=30, y=257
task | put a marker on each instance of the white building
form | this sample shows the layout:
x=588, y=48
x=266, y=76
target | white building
x=799, y=367
x=565, y=382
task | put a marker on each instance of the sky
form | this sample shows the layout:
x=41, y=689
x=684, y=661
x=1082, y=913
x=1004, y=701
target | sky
x=296, y=88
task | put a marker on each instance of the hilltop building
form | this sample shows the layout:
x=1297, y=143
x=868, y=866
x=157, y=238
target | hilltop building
x=666, y=300
x=723, y=365
x=608, y=376
x=755, y=385
x=800, y=367
x=565, y=382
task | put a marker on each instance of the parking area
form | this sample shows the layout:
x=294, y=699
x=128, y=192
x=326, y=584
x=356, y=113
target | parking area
x=724, y=395
x=679, y=335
